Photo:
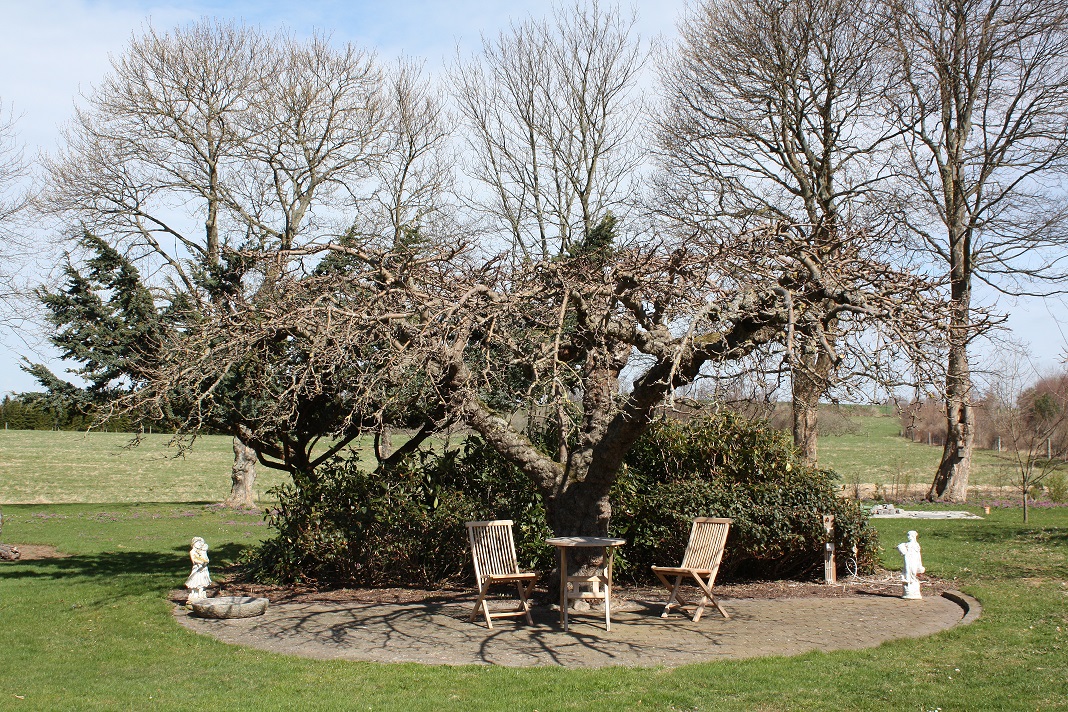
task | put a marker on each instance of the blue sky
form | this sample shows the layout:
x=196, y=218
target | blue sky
x=52, y=49
x=49, y=50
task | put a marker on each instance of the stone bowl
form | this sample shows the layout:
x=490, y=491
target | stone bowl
x=229, y=607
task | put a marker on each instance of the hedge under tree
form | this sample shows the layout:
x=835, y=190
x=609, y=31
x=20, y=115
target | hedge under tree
x=405, y=525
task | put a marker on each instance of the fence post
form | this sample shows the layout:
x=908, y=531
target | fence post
x=830, y=569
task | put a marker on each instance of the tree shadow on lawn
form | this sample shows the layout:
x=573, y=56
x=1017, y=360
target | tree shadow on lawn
x=125, y=573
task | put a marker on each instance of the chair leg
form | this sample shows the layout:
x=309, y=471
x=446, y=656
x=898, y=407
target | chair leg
x=706, y=598
x=524, y=606
x=483, y=604
x=674, y=597
x=699, y=611
x=720, y=609
x=671, y=596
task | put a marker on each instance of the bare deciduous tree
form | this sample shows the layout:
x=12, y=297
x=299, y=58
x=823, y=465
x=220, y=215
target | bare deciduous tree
x=552, y=116
x=580, y=323
x=981, y=91
x=1030, y=415
x=774, y=113
x=14, y=198
x=266, y=141
x=476, y=339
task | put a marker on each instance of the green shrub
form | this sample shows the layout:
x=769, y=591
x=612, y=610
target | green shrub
x=406, y=525
x=1057, y=487
x=725, y=466
x=402, y=526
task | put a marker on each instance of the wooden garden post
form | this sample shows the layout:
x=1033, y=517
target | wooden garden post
x=830, y=569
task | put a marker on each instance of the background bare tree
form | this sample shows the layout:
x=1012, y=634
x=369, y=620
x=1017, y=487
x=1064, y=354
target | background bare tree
x=217, y=138
x=1030, y=415
x=552, y=115
x=774, y=113
x=14, y=198
x=163, y=130
x=981, y=91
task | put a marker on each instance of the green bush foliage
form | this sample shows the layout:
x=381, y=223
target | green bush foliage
x=406, y=525
x=1057, y=487
x=723, y=465
x=401, y=526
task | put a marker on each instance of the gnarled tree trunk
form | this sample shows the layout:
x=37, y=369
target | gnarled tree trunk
x=243, y=476
x=809, y=380
x=580, y=508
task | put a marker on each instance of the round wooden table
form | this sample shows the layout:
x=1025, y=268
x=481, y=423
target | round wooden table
x=602, y=576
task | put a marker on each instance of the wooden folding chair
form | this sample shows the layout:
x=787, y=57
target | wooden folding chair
x=493, y=553
x=700, y=563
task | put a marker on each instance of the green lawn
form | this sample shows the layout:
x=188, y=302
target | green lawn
x=63, y=467
x=43, y=466
x=877, y=454
x=94, y=631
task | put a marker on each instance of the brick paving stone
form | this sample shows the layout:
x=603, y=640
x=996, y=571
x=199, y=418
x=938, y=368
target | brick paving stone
x=438, y=633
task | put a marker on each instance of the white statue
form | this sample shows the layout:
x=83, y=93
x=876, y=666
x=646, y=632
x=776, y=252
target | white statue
x=199, y=579
x=913, y=566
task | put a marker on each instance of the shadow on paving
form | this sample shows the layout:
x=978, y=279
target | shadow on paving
x=440, y=632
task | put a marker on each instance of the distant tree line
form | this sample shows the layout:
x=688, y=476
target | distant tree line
x=42, y=411
x=1037, y=400
x=28, y=411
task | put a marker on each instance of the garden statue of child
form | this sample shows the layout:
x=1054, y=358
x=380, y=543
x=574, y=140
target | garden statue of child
x=199, y=579
x=913, y=566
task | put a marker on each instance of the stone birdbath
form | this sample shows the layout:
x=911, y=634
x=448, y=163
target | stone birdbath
x=229, y=607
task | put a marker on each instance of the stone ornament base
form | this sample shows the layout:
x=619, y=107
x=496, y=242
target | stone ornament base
x=229, y=607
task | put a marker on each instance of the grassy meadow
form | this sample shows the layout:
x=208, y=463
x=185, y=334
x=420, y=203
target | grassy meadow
x=94, y=631
x=43, y=467
x=46, y=467
x=877, y=454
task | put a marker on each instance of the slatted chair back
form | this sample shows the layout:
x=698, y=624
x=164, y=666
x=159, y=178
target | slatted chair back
x=708, y=538
x=492, y=548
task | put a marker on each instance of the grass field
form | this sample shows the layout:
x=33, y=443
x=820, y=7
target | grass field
x=94, y=631
x=43, y=466
x=64, y=467
x=877, y=454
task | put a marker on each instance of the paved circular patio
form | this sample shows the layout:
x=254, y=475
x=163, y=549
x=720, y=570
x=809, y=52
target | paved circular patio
x=438, y=632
